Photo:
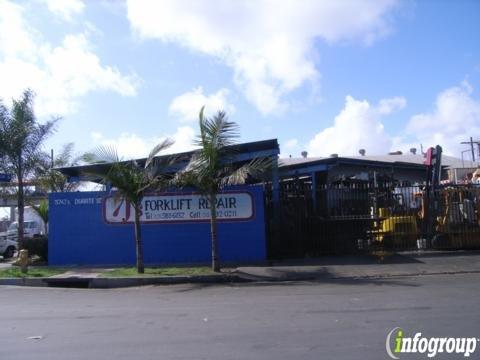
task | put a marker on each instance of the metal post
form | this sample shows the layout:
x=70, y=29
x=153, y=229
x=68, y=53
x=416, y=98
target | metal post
x=275, y=186
x=276, y=201
x=471, y=142
x=473, y=150
x=314, y=192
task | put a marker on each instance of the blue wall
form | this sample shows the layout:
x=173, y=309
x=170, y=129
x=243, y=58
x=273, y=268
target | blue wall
x=78, y=235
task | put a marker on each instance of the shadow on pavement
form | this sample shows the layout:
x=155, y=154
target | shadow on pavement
x=315, y=277
x=406, y=257
x=351, y=260
x=183, y=288
x=446, y=253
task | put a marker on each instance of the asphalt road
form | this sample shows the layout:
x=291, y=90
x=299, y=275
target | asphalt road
x=328, y=320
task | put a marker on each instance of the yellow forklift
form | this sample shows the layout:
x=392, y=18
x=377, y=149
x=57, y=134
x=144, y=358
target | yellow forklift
x=395, y=229
x=458, y=224
x=400, y=226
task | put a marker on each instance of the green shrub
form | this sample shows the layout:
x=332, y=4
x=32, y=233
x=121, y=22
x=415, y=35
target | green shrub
x=36, y=246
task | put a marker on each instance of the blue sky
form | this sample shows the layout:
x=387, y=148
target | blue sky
x=326, y=77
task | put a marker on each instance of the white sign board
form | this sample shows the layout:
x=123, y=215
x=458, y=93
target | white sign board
x=180, y=208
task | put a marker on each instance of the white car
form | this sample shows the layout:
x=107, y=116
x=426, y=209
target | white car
x=7, y=246
x=30, y=229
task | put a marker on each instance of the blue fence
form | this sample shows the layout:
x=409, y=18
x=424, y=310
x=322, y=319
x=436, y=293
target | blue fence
x=79, y=233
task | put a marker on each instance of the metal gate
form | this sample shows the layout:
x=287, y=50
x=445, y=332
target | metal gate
x=356, y=217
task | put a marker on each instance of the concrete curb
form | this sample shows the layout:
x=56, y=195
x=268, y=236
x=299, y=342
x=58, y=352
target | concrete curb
x=313, y=278
x=121, y=282
x=24, y=281
x=117, y=282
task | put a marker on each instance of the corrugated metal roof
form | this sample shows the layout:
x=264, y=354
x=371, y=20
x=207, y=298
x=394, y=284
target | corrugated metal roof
x=297, y=161
x=448, y=161
x=181, y=159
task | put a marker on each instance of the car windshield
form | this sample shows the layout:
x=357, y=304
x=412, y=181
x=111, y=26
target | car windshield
x=26, y=225
x=13, y=226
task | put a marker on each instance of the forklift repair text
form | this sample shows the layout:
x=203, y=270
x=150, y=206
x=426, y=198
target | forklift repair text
x=180, y=207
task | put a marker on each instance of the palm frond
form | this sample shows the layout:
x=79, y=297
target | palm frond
x=224, y=132
x=201, y=119
x=217, y=132
x=211, y=166
x=102, y=155
x=129, y=178
x=236, y=177
x=22, y=109
x=34, y=159
x=161, y=166
x=118, y=174
x=41, y=210
x=165, y=144
x=65, y=157
x=40, y=132
x=258, y=168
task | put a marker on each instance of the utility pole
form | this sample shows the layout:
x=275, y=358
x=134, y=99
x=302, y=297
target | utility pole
x=471, y=143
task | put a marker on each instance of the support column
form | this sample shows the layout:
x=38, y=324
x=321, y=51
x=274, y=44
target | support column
x=275, y=231
x=12, y=213
x=275, y=192
x=314, y=191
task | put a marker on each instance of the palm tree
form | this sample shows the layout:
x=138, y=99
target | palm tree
x=21, y=140
x=52, y=180
x=42, y=211
x=132, y=181
x=211, y=168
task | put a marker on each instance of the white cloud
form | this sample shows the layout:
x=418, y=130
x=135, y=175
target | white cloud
x=454, y=119
x=184, y=137
x=290, y=144
x=58, y=74
x=290, y=147
x=387, y=106
x=15, y=36
x=186, y=107
x=269, y=44
x=358, y=126
x=132, y=146
x=66, y=9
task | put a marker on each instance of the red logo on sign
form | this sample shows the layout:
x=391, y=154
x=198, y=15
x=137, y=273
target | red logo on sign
x=126, y=204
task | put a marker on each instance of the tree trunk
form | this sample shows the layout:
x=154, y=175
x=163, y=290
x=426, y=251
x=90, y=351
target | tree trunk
x=21, y=206
x=213, y=230
x=138, y=239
